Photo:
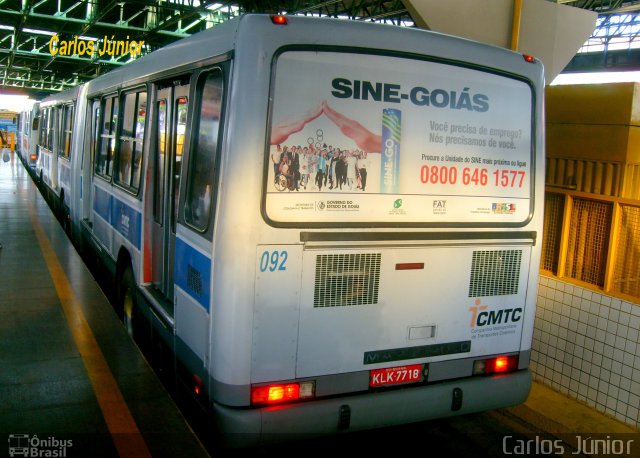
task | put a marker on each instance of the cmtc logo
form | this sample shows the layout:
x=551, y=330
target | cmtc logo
x=481, y=316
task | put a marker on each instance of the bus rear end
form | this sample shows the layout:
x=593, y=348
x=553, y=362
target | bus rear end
x=408, y=185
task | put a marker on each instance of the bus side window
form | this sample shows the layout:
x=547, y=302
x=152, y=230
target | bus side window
x=94, y=129
x=200, y=178
x=43, y=129
x=64, y=147
x=104, y=158
x=131, y=140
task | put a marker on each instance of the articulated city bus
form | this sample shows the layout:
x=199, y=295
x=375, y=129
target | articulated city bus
x=329, y=225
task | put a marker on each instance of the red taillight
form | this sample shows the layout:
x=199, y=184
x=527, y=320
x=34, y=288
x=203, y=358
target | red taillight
x=500, y=364
x=279, y=19
x=275, y=393
x=285, y=392
x=529, y=58
x=495, y=365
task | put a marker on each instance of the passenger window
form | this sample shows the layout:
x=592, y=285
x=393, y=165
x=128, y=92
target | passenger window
x=182, y=105
x=200, y=179
x=104, y=161
x=161, y=151
x=64, y=148
x=43, y=130
x=94, y=128
x=131, y=140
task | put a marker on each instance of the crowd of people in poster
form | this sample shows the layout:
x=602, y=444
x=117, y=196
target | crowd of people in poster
x=317, y=166
x=314, y=168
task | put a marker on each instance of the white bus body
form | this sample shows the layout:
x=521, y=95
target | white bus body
x=55, y=147
x=414, y=265
x=28, y=133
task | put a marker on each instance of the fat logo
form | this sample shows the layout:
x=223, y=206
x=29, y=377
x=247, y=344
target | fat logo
x=439, y=207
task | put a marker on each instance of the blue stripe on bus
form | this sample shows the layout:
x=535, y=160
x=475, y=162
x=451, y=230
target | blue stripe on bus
x=123, y=218
x=102, y=203
x=192, y=273
x=126, y=221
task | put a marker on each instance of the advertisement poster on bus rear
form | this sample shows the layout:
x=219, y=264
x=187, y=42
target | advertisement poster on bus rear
x=381, y=139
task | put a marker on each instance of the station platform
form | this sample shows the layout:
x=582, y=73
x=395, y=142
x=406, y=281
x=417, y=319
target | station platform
x=72, y=383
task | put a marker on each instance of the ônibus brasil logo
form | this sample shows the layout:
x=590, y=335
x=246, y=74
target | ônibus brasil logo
x=33, y=446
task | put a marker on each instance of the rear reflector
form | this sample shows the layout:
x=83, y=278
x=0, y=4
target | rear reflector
x=410, y=266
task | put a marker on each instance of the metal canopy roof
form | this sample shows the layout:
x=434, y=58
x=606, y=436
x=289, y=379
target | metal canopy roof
x=29, y=30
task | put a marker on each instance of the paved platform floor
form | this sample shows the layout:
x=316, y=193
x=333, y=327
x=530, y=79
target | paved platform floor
x=72, y=383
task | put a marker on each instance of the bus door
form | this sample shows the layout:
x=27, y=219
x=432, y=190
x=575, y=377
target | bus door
x=169, y=132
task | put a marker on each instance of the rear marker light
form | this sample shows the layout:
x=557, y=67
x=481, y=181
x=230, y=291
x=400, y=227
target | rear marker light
x=495, y=365
x=279, y=19
x=278, y=393
x=197, y=384
x=529, y=58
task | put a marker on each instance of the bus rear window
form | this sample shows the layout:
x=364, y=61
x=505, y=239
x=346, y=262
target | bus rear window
x=397, y=141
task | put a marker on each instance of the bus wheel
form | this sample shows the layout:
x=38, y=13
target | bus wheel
x=128, y=302
x=66, y=222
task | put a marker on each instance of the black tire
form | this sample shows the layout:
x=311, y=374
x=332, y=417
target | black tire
x=128, y=302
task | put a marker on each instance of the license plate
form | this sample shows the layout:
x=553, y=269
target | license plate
x=396, y=375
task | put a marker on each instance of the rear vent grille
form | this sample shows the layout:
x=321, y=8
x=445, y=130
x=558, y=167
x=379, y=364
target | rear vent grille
x=346, y=279
x=495, y=273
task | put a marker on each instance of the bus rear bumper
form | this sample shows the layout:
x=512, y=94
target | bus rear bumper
x=250, y=427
